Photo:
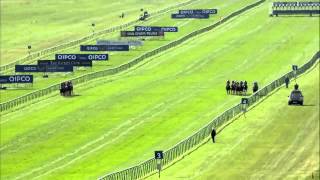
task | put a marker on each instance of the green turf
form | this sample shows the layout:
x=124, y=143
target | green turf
x=274, y=141
x=185, y=27
x=46, y=23
x=120, y=120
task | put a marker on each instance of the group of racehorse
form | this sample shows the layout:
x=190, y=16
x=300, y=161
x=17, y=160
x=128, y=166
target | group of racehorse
x=236, y=87
x=66, y=89
x=239, y=87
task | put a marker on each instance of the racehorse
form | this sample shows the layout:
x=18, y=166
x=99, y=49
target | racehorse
x=245, y=87
x=236, y=87
x=66, y=89
x=228, y=87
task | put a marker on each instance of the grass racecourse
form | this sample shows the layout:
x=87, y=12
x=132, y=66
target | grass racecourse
x=273, y=141
x=118, y=121
x=46, y=23
x=116, y=59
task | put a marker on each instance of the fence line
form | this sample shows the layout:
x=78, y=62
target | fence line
x=98, y=74
x=60, y=47
x=147, y=167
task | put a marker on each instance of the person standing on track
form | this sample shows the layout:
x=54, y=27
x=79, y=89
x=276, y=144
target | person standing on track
x=213, y=134
x=287, y=81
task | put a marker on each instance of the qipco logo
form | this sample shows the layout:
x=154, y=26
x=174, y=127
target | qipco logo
x=142, y=28
x=97, y=57
x=20, y=78
x=66, y=57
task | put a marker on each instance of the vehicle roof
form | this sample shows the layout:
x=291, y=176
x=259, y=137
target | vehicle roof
x=296, y=91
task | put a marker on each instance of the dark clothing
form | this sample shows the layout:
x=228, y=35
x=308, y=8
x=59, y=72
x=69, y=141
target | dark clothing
x=213, y=134
x=255, y=87
x=287, y=80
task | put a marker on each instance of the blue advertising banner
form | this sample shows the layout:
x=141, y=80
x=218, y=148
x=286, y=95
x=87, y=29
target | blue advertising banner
x=104, y=47
x=27, y=68
x=56, y=68
x=86, y=63
x=121, y=42
x=155, y=28
x=198, y=11
x=93, y=57
x=195, y=16
x=141, y=33
x=16, y=79
x=44, y=68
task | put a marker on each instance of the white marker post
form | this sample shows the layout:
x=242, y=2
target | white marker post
x=158, y=155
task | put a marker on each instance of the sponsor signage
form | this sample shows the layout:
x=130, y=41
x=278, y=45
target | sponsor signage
x=46, y=68
x=244, y=101
x=195, y=16
x=129, y=43
x=141, y=33
x=104, y=47
x=158, y=154
x=292, y=4
x=85, y=63
x=199, y=11
x=93, y=57
x=27, y=68
x=16, y=79
x=155, y=28
x=56, y=68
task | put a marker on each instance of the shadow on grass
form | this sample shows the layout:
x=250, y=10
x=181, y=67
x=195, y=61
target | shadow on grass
x=73, y=96
x=241, y=95
x=302, y=105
